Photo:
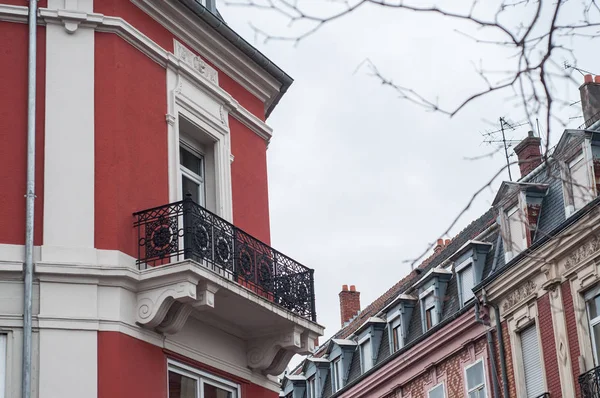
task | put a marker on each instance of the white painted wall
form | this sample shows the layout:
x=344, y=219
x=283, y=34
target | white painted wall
x=68, y=363
x=69, y=140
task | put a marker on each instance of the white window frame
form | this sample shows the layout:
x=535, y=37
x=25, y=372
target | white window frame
x=311, y=386
x=185, y=172
x=365, y=363
x=395, y=323
x=459, y=273
x=590, y=295
x=3, y=364
x=337, y=377
x=203, y=378
x=583, y=185
x=186, y=99
x=484, y=384
x=435, y=387
x=430, y=291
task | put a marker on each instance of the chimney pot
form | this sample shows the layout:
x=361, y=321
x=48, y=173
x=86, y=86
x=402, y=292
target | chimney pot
x=440, y=242
x=597, y=79
x=447, y=242
x=587, y=78
x=349, y=303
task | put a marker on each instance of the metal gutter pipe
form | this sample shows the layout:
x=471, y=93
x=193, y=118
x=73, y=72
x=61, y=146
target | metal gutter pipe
x=501, y=349
x=490, y=341
x=30, y=201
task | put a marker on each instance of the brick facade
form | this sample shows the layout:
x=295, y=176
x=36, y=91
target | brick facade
x=549, y=346
x=571, y=320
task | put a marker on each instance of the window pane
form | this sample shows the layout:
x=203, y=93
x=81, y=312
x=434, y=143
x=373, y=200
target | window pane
x=594, y=305
x=517, y=237
x=181, y=386
x=365, y=353
x=211, y=391
x=596, y=337
x=580, y=185
x=467, y=283
x=192, y=188
x=475, y=375
x=429, y=318
x=396, y=337
x=437, y=392
x=190, y=161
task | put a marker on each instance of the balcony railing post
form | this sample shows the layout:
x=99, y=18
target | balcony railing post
x=313, y=310
x=187, y=226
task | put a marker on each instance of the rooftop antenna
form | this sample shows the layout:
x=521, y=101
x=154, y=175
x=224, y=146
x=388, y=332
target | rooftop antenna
x=491, y=139
x=582, y=71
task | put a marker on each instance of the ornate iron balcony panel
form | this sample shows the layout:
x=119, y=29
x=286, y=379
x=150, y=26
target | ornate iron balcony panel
x=589, y=382
x=186, y=230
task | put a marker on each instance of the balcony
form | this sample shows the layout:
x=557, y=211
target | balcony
x=589, y=382
x=185, y=230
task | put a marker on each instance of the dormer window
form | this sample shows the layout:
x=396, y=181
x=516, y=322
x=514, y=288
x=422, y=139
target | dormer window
x=311, y=387
x=430, y=312
x=580, y=187
x=466, y=281
x=336, y=375
x=516, y=231
x=396, y=335
x=366, y=354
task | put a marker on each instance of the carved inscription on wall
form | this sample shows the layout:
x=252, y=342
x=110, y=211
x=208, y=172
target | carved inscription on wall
x=195, y=62
x=584, y=251
x=518, y=295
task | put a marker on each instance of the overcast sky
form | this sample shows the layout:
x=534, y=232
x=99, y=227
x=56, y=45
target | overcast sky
x=359, y=180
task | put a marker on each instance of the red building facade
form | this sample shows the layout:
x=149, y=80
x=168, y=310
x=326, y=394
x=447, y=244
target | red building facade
x=144, y=104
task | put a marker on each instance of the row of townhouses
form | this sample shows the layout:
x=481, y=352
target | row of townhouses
x=135, y=256
x=509, y=307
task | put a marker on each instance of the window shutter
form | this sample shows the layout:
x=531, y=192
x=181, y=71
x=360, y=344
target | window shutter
x=429, y=301
x=467, y=283
x=532, y=364
x=518, y=241
x=581, y=188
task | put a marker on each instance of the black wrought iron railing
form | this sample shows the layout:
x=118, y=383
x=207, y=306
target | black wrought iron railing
x=185, y=230
x=590, y=121
x=589, y=382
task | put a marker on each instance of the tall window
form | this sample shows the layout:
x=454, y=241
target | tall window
x=532, y=364
x=593, y=310
x=188, y=383
x=580, y=185
x=311, y=387
x=475, y=376
x=437, y=392
x=430, y=313
x=192, y=174
x=466, y=282
x=2, y=365
x=396, y=334
x=517, y=237
x=366, y=355
x=336, y=382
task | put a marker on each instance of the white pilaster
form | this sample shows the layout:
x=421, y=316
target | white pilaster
x=69, y=138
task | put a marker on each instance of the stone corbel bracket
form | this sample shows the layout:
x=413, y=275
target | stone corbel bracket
x=70, y=19
x=270, y=355
x=166, y=308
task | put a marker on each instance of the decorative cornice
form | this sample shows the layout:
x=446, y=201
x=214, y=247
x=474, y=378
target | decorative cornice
x=583, y=252
x=195, y=62
x=518, y=295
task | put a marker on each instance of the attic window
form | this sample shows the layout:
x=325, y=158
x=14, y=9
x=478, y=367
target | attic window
x=516, y=231
x=466, y=281
x=429, y=309
x=336, y=377
x=311, y=387
x=366, y=355
x=580, y=189
x=396, y=334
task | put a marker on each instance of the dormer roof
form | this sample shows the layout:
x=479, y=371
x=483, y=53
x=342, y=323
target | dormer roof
x=509, y=189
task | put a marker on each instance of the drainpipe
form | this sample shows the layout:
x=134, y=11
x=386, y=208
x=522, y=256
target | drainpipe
x=30, y=201
x=501, y=347
x=490, y=342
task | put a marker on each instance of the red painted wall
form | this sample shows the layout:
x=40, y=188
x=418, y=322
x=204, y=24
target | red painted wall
x=249, y=170
x=13, y=130
x=130, y=140
x=549, y=351
x=571, y=332
x=249, y=181
x=129, y=368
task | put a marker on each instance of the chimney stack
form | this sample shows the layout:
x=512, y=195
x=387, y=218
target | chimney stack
x=349, y=303
x=529, y=153
x=439, y=246
x=590, y=99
